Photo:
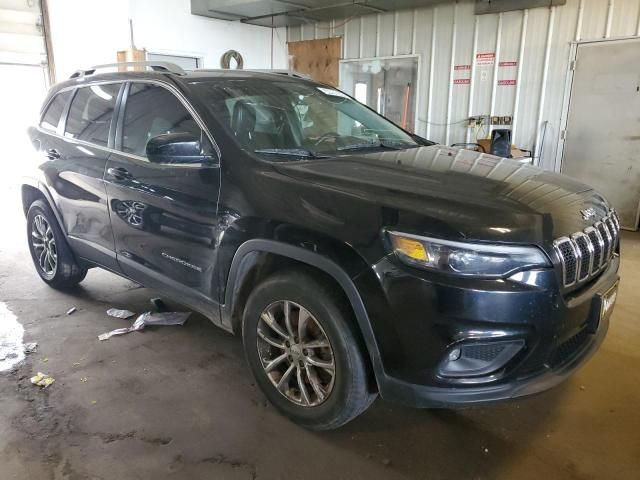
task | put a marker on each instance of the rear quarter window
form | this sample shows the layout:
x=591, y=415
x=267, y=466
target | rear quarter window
x=54, y=110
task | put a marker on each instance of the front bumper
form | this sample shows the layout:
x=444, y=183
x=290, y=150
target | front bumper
x=418, y=320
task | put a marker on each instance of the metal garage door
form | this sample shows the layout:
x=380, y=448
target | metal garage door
x=23, y=83
x=602, y=147
x=21, y=37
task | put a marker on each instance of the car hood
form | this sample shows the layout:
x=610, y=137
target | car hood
x=447, y=192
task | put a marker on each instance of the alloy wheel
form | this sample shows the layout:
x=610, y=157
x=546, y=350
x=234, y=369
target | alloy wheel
x=44, y=245
x=296, y=354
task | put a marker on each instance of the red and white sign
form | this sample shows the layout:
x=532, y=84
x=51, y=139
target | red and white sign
x=462, y=67
x=506, y=82
x=461, y=81
x=508, y=64
x=485, y=59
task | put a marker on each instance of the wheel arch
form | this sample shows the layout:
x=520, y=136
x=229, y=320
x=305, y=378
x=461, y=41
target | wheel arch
x=252, y=252
x=34, y=190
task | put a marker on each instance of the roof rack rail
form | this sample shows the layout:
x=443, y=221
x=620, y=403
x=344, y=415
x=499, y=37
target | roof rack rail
x=162, y=67
x=290, y=73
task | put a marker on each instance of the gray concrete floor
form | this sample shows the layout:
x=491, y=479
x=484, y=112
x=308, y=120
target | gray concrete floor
x=179, y=402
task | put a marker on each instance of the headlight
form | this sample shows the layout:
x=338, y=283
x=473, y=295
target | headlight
x=465, y=258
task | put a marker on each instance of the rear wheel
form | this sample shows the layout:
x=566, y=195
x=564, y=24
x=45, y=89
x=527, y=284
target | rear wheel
x=302, y=347
x=49, y=250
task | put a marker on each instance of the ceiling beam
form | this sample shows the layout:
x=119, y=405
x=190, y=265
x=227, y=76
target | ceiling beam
x=371, y=7
x=291, y=4
x=227, y=14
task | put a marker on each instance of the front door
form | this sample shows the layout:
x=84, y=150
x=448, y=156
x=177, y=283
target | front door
x=164, y=213
x=603, y=128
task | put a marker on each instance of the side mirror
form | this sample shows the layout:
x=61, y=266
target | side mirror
x=178, y=149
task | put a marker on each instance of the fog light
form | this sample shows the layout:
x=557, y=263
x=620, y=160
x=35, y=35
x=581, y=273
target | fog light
x=474, y=359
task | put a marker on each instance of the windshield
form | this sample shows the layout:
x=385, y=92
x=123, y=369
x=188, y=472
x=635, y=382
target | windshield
x=296, y=119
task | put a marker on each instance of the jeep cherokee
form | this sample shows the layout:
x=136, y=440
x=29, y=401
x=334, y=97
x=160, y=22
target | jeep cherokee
x=353, y=257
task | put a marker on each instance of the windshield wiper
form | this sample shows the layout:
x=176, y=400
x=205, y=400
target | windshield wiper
x=367, y=145
x=294, y=152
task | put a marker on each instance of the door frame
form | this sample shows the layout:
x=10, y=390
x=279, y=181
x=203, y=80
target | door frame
x=568, y=91
x=417, y=56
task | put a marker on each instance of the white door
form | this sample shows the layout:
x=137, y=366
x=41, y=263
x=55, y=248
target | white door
x=602, y=146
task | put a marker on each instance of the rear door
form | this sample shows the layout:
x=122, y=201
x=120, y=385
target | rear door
x=76, y=151
x=164, y=215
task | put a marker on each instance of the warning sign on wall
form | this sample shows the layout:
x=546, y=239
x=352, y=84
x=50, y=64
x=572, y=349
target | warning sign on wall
x=485, y=59
x=506, y=82
x=462, y=74
x=511, y=63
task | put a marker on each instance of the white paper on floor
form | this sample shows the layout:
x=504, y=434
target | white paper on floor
x=148, y=318
x=114, y=312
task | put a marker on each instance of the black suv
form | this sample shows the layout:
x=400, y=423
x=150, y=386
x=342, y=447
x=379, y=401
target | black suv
x=354, y=258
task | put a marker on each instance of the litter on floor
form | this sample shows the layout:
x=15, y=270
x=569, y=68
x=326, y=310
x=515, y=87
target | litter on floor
x=147, y=319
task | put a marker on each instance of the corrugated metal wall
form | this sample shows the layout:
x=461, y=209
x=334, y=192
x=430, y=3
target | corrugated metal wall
x=538, y=41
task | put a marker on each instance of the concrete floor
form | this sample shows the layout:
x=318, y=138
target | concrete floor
x=179, y=402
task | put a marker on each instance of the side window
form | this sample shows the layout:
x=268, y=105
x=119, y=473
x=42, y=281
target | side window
x=54, y=111
x=152, y=110
x=90, y=114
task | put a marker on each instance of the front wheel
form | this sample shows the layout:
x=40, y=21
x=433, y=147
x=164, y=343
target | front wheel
x=303, y=350
x=49, y=250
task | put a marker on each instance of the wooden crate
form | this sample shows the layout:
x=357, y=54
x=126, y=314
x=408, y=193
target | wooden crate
x=131, y=55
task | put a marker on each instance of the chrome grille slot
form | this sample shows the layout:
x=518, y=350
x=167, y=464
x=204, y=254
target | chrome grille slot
x=616, y=220
x=598, y=246
x=613, y=228
x=584, y=254
x=606, y=237
x=569, y=260
x=585, y=251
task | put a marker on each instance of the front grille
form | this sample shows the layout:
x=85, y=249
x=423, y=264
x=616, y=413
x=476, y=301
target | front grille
x=569, y=348
x=584, y=254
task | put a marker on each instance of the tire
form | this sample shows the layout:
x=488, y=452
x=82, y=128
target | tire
x=59, y=268
x=330, y=400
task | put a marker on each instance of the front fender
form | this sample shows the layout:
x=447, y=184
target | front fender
x=248, y=249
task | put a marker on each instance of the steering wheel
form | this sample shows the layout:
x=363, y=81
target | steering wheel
x=326, y=136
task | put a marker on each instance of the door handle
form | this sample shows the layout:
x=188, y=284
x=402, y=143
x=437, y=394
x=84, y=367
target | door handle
x=119, y=173
x=52, y=154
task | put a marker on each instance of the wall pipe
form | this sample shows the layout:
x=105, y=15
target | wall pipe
x=543, y=87
x=516, y=100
